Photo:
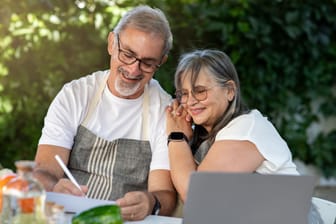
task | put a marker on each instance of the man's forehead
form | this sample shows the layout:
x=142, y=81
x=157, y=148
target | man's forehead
x=146, y=45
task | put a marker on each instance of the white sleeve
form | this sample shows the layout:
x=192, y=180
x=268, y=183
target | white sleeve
x=160, y=157
x=260, y=131
x=63, y=118
x=159, y=100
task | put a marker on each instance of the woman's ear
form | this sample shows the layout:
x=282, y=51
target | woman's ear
x=231, y=90
x=110, y=43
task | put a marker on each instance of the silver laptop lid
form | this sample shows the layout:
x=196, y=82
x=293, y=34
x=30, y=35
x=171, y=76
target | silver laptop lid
x=238, y=198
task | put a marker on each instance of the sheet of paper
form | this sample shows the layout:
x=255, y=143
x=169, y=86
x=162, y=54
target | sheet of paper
x=153, y=219
x=75, y=204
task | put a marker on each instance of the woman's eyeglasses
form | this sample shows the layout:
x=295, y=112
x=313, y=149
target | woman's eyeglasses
x=198, y=92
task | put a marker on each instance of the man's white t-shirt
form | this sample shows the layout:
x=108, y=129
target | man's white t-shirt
x=256, y=128
x=113, y=118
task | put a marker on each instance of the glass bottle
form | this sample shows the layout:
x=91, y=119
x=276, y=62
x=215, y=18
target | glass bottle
x=23, y=197
x=55, y=213
x=59, y=215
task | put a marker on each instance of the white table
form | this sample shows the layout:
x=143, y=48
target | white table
x=151, y=219
x=77, y=204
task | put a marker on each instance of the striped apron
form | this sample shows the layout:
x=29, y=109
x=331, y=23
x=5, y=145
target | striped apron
x=111, y=168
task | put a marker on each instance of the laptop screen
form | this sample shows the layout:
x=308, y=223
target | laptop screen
x=240, y=198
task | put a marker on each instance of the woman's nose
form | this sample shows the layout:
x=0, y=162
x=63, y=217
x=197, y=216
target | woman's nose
x=191, y=99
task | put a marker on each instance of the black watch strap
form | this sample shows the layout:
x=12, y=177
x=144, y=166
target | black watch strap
x=157, y=206
x=177, y=136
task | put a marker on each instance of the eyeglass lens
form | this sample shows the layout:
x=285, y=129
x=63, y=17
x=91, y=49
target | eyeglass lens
x=199, y=93
x=128, y=59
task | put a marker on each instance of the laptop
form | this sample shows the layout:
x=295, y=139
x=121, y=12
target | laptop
x=240, y=198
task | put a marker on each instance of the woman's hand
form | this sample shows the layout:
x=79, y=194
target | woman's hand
x=178, y=120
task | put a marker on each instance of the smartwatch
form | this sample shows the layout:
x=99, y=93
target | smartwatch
x=157, y=206
x=177, y=137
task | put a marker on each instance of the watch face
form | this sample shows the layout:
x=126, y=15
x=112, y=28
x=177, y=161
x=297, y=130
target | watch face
x=157, y=211
x=176, y=135
x=157, y=207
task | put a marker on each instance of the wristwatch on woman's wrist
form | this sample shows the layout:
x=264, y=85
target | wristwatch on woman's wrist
x=177, y=137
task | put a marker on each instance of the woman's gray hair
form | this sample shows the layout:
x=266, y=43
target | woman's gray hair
x=149, y=20
x=222, y=70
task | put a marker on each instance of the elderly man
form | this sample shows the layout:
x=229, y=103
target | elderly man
x=109, y=127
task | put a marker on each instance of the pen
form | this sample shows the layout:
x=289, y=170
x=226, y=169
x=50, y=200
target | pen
x=67, y=172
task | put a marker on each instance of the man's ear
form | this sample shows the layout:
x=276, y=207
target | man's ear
x=110, y=43
x=164, y=59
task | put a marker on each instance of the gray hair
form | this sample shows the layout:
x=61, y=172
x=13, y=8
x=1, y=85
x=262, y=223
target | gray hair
x=147, y=19
x=222, y=70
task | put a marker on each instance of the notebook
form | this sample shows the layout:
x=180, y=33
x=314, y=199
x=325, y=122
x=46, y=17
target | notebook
x=238, y=198
x=75, y=204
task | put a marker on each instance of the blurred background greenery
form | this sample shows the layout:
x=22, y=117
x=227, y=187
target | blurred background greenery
x=284, y=51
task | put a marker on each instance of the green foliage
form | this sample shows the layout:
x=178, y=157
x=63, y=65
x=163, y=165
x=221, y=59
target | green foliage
x=284, y=52
x=45, y=44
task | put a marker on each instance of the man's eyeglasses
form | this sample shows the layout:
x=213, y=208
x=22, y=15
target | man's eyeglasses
x=199, y=93
x=128, y=58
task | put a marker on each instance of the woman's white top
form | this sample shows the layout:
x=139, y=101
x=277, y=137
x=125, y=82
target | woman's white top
x=256, y=128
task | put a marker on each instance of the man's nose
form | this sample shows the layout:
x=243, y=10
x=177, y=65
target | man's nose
x=134, y=69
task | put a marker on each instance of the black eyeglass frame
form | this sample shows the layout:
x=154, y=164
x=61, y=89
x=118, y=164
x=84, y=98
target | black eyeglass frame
x=134, y=59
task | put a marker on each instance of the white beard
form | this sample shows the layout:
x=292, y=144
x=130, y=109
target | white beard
x=125, y=88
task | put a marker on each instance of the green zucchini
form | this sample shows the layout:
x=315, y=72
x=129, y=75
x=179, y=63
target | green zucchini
x=106, y=214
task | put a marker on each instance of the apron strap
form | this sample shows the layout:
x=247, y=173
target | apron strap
x=95, y=101
x=145, y=112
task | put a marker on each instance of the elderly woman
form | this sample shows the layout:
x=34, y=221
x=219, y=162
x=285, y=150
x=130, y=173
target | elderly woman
x=210, y=129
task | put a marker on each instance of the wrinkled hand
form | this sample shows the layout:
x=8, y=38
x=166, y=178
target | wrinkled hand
x=135, y=205
x=178, y=120
x=65, y=186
